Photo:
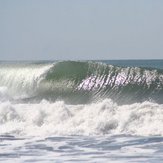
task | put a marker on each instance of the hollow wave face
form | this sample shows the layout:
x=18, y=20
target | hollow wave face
x=80, y=82
x=101, y=118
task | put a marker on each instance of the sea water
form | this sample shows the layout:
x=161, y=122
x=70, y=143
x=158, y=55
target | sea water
x=81, y=111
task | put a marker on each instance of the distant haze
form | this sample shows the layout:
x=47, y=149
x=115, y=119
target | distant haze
x=81, y=29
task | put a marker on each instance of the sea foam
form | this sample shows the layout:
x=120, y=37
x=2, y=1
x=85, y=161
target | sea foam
x=100, y=118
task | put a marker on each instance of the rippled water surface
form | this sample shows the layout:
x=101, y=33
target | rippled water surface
x=115, y=148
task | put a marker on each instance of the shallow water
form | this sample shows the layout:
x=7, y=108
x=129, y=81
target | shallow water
x=111, y=148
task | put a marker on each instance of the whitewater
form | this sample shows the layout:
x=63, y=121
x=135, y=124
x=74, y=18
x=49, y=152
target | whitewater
x=81, y=111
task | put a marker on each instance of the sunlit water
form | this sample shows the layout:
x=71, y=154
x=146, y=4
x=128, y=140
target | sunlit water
x=56, y=131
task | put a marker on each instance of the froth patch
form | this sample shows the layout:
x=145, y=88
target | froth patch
x=101, y=118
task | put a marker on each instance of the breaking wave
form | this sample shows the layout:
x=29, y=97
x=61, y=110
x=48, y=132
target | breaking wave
x=80, y=82
x=80, y=98
x=101, y=118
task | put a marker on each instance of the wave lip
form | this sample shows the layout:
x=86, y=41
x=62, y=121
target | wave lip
x=22, y=80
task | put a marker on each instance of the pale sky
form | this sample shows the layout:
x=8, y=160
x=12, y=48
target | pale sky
x=81, y=29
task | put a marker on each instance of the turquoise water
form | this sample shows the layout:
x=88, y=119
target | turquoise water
x=81, y=111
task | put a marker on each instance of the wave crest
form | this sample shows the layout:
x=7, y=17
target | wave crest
x=82, y=82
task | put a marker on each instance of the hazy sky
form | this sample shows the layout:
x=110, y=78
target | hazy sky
x=81, y=29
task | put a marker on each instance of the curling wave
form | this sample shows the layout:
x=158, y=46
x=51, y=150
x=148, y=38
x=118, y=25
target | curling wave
x=80, y=82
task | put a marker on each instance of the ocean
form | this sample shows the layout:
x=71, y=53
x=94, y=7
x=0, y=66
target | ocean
x=81, y=111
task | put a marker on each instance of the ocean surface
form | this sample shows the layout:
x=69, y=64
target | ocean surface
x=81, y=111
